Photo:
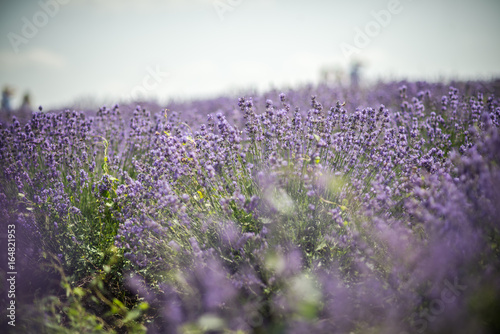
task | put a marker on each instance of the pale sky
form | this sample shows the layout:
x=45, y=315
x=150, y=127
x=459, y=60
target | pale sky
x=113, y=49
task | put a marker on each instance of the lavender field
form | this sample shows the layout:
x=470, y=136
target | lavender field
x=314, y=210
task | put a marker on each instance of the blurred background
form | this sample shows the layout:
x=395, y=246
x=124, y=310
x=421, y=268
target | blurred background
x=61, y=53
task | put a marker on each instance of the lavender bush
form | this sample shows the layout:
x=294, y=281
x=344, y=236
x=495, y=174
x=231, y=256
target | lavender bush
x=325, y=210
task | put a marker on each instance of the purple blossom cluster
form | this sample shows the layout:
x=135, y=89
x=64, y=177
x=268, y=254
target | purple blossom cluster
x=309, y=214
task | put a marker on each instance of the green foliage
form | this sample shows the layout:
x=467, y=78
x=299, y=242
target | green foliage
x=80, y=306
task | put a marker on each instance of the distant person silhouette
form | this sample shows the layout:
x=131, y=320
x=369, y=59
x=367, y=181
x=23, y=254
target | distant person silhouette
x=6, y=95
x=355, y=69
x=26, y=104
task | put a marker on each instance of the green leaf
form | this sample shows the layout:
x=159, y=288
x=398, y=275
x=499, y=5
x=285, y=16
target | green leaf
x=132, y=315
x=79, y=291
x=119, y=303
x=321, y=246
x=211, y=322
x=73, y=312
x=308, y=310
x=143, y=306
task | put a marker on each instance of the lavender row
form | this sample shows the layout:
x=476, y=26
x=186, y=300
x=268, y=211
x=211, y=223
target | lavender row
x=277, y=216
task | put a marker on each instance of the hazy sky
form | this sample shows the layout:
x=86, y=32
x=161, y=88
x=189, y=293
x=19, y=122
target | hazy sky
x=62, y=50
